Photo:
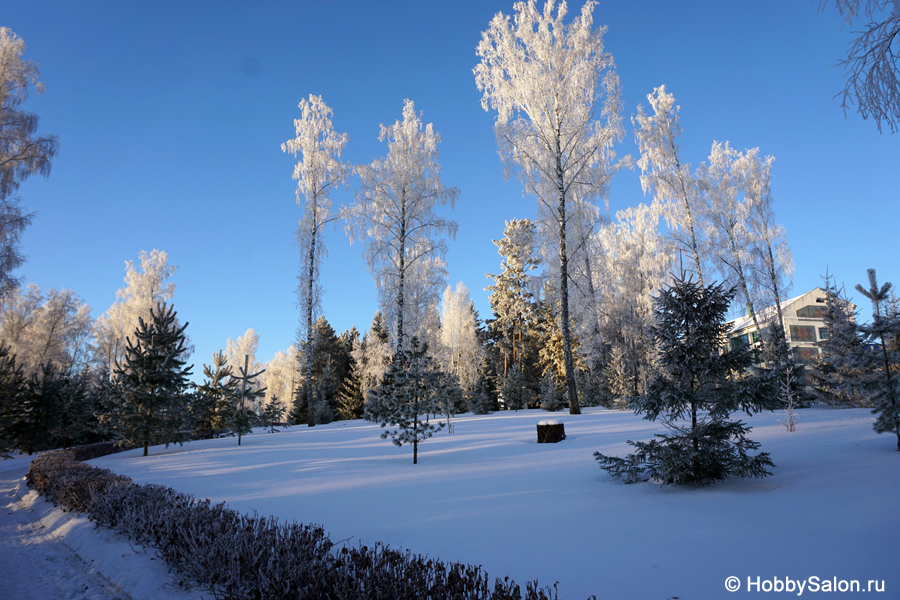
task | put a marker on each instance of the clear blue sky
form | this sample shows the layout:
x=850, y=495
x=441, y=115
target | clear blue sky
x=170, y=117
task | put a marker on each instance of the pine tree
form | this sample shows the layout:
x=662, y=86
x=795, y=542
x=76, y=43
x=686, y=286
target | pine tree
x=153, y=378
x=79, y=424
x=697, y=389
x=213, y=404
x=406, y=397
x=246, y=393
x=40, y=414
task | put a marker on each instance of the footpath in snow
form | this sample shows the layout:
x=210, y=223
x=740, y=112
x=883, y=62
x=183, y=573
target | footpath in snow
x=49, y=554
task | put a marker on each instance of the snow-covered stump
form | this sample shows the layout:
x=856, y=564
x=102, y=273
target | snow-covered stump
x=550, y=431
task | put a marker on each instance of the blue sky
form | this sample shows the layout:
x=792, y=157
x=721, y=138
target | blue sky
x=170, y=117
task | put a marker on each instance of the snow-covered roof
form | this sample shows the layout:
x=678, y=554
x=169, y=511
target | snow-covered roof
x=768, y=313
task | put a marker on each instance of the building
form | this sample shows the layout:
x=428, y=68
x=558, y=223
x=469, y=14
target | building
x=804, y=325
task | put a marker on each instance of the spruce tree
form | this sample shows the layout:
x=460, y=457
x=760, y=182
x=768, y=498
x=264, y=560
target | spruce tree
x=837, y=373
x=351, y=401
x=153, y=378
x=406, y=397
x=880, y=360
x=273, y=414
x=696, y=390
x=515, y=390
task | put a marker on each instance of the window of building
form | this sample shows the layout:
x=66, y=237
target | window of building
x=805, y=355
x=824, y=333
x=803, y=333
x=811, y=312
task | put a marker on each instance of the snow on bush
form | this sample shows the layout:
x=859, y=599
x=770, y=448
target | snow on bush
x=239, y=556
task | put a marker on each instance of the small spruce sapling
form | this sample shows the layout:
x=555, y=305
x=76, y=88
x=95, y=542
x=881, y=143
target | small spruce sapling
x=273, y=414
x=696, y=389
x=406, y=397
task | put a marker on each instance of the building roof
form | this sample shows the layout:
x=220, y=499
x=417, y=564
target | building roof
x=768, y=313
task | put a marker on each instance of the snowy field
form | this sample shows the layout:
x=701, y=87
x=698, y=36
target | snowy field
x=489, y=494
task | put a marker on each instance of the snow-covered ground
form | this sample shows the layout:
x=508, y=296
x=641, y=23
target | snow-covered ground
x=489, y=494
x=48, y=554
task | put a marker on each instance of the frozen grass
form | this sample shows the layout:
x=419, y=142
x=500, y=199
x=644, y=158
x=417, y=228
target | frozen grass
x=489, y=494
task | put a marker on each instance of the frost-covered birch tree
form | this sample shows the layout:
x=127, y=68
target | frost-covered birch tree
x=144, y=288
x=395, y=215
x=23, y=152
x=556, y=94
x=318, y=171
x=727, y=214
x=772, y=264
x=636, y=264
x=54, y=329
x=461, y=354
x=668, y=178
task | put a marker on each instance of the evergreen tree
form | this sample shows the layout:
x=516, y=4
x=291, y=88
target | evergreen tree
x=551, y=395
x=40, y=414
x=515, y=390
x=696, y=390
x=79, y=424
x=214, y=401
x=351, y=402
x=837, y=372
x=484, y=398
x=512, y=301
x=153, y=378
x=880, y=359
x=273, y=414
x=406, y=397
x=12, y=389
x=246, y=393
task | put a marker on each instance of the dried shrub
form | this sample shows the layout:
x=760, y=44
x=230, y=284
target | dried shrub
x=248, y=557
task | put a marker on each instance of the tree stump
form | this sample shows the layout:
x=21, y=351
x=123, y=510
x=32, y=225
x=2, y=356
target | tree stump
x=550, y=432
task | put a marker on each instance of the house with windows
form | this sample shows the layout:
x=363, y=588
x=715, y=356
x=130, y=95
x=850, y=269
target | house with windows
x=804, y=325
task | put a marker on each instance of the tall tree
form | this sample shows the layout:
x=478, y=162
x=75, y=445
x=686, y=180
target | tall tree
x=23, y=152
x=664, y=174
x=153, y=377
x=511, y=296
x=772, y=263
x=395, y=214
x=318, y=172
x=549, y=81
x=728, y=215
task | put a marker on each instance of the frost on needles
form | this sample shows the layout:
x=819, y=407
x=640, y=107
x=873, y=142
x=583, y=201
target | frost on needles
x=694, y=393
